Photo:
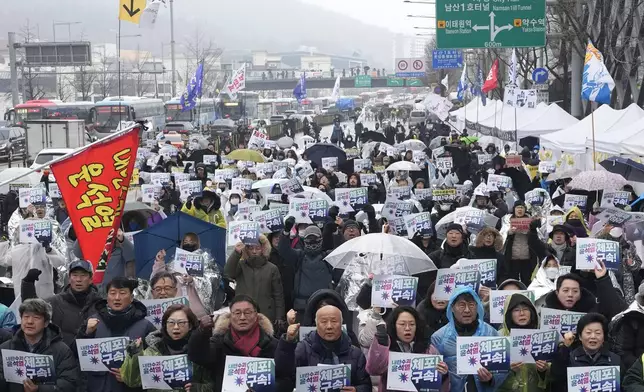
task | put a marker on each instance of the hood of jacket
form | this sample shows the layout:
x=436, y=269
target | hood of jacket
x=498, y=239
x=480, y=312
x=222, y=325
x=92, y=297
x=266, y=250
x=541, y=285
x=332, y=298
x=583, y=226
x=512, y=281
x=510, y=303
x=586, y=303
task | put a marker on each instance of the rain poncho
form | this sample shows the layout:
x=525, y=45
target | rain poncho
x=541, y=285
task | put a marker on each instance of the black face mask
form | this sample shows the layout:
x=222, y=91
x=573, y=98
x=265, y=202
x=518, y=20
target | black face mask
x=574, y=222
x=190, y=247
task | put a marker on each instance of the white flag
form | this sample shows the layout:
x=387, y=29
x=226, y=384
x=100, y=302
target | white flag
x=236, y=83
x=336, y=90
x=445, y=81
x=362, y=116
x=512, y=71
x=149, y=14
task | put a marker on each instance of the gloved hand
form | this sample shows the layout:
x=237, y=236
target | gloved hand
x=32, y=275
x=334, y=211
x=284, y=198
x=289, y=223
x=46, y=246
x=535, y=224
x=371, y=213
x=381, y=335
x=189, y=202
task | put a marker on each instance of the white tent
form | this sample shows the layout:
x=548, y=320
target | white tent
x=626, y=141
x=507, y=119
x=607, y=121
x=553, y=119
x=475, y=111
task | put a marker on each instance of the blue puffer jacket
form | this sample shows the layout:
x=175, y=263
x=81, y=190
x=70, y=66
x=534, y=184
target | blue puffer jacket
x=445, y=342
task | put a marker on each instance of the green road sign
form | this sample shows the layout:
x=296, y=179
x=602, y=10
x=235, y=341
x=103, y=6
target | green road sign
x=414, y=83
x=395, y=82
x=490, y=23
x=362, y=81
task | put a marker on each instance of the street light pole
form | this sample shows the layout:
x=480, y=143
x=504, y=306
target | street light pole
x=172, y=52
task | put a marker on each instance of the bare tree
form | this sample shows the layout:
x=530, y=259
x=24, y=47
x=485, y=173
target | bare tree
x=32, y=80
x=106, y=81
x=202, y=49
x=438, y=75
x=140, y=78
x=83, y=83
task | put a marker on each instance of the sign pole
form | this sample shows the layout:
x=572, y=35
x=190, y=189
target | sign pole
x=592, y=120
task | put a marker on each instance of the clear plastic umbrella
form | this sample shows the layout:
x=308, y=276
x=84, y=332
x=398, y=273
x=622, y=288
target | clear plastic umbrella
x=380, y=246
x=403, y=166
x=473, y=218
x=414, y=144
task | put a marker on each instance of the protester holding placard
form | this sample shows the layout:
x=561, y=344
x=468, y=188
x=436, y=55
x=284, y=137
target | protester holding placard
x=520, y=247
x=118, y=315
x=177, y=324
x=433, y=311
x=574, y=218
x=242, y=332
x=630, y=262
x=206, y=207
x=465, y=314
x=404, y=332
x=586, y=348
x=38, y=335
x=488, y=245
x=520, y=313
x=286, y=270
x=254, y=276
x=327, y=345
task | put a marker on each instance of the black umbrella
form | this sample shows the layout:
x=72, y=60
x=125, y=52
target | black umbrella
x=627, y=168
x=324, y=150
x=372, y=136
x=347, y=167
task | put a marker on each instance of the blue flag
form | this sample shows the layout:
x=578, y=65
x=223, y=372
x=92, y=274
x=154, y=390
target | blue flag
x=299, y=92
x=193, y=90
x=462, y=84
x=479, y=85
x=597, y=84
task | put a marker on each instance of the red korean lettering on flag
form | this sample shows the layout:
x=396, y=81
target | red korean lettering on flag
x=94, y=185
x=491, y=82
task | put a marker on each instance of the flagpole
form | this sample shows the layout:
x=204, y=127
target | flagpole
x=516, y=131
x=592, y=120
x=200, y=95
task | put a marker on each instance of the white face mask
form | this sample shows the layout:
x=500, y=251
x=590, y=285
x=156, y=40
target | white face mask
x=552, y=272
x=234, y=201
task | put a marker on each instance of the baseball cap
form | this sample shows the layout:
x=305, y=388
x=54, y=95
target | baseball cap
x=312, y=230
x=81, y=264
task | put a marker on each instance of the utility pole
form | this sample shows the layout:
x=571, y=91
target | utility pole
x=172, y=52
x=15, y=98
x=576, y=71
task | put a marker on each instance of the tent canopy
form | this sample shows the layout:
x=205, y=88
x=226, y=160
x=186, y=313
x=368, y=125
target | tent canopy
x=553, y=119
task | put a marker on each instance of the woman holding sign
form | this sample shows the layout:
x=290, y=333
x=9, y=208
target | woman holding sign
x=405, y=332
x=177, y=325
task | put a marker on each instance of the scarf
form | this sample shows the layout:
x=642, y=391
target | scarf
x=248, y=343
x=559, y=249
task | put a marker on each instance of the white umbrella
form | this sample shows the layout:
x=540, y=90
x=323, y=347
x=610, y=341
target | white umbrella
x=315, y=193
x=382, y=246
x=285, y=142
x=473, y=218
x=403, y=166
x=414, y=144
x=267, y=183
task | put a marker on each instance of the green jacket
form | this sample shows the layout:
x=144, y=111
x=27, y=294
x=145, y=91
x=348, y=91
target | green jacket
x=130, y=368
x=527, y=379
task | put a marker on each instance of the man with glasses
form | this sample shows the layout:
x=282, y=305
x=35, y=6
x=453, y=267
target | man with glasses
x=465, y=314
x=164, y=285
x=244, y=332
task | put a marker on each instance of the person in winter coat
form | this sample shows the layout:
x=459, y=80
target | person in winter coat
x=207, y=207
x=626, y=333
x=337, y=134
x=520, y=313
x=118, y=315
x=312, y=273
x=634, y=379
x=327, y=345
x=629, y=262
x=560, y=246
x=73, y=305
x=545, y=280
x=257, y=278
x=39, y=336
x=177, y=324
x=454, y=248
x=571, y=295
x=424, y=243
x=432, y=311
x=465, y=315
x=7, y=317
x=287, y=272
x=244, y=332
x=322, y=298
x=574, y=218
x=587, y=348
x=520, y=248
x=404, y=332
x=489, y=244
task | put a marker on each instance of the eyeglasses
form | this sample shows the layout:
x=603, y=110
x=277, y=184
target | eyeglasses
x=520, y=309
x=463, y=305
x=246, y=313
x=180, y=323
x=161, y=289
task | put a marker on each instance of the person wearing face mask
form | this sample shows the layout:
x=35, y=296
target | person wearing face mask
x=312, y=273
x=585, y=348
x=432, y=311
x=177, y=324
x=404, y=332
x=465, y=314
x=545, y=280
x=255, y=277
x=520, y=313
x=575, y=220
x=234, y=198
x=206, y=207
x=442, y=209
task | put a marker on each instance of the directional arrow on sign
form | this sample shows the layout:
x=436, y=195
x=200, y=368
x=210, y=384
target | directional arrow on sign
x=477, y=27
x=131, y=10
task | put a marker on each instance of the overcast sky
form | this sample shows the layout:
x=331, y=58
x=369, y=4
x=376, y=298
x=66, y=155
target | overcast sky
x=391, y=14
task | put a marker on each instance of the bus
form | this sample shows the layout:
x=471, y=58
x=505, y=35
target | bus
x=246, y=106
x=43, y=109
x=111, y=112
x=204, y=113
